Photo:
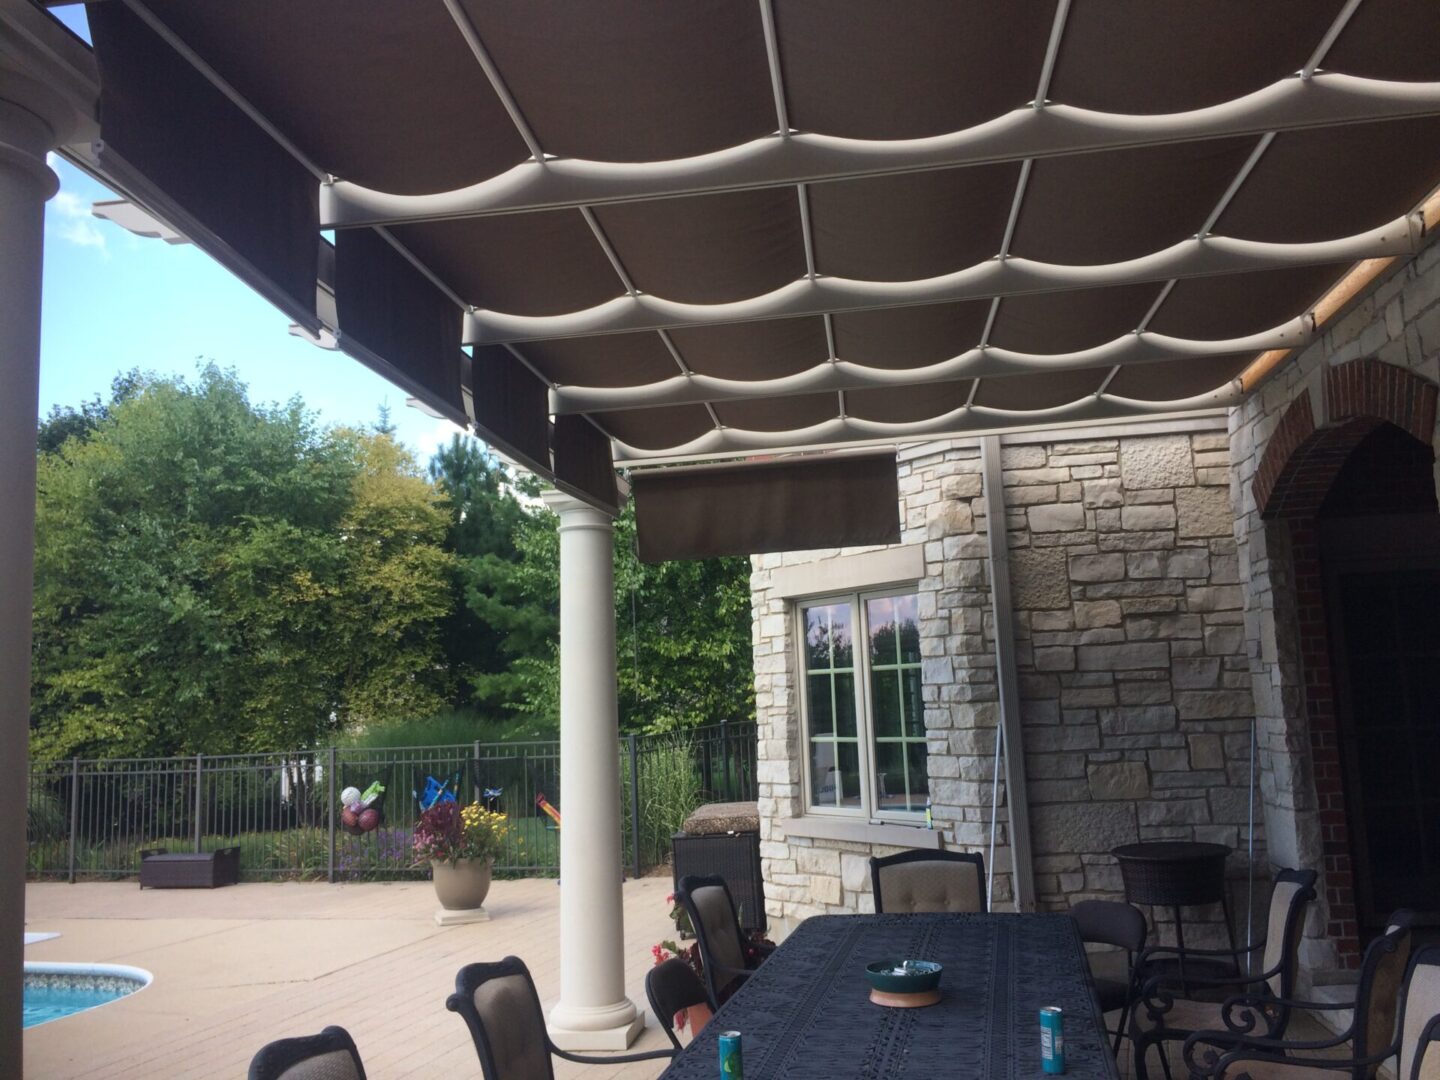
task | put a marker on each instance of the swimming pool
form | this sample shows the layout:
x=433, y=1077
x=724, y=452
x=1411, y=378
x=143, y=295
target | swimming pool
x=56, y=990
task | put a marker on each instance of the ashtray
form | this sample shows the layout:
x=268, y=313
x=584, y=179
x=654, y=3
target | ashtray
x=904, y=984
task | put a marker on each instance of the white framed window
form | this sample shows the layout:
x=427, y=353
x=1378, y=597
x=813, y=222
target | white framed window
x=862, y=716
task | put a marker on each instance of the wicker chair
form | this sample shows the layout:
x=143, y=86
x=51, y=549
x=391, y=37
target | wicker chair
x=1164, y=1013
x=331, y=1055
x=1111, y=922
x=1417, y=1007
x=1371, y=1028
x=916, y=881
x=723, y=959
x=673, y=986
x=502, y=1010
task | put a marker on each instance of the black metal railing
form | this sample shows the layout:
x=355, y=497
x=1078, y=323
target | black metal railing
x=90, y=818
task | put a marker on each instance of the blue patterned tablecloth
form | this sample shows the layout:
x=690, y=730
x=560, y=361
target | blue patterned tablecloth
x=806, y=1012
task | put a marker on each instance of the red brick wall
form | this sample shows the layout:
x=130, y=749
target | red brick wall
x=1337, y=878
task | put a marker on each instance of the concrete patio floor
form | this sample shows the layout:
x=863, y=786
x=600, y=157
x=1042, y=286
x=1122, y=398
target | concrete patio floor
x=239, y=966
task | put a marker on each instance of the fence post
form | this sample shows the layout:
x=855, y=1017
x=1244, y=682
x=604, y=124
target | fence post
x=199, y=799
x=729, y=795
x=634, y=803
x=330, y=813
x=475, y=773
x=74, y=812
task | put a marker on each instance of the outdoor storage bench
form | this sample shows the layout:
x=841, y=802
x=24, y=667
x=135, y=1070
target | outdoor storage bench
x=724, y=839
x=189, y=870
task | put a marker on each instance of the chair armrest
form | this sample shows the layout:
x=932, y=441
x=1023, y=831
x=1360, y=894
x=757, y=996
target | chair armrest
x=1260, y=1001
x=592, y=1059
x=1201, y=1061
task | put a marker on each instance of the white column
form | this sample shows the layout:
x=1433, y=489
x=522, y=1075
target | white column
x=25, y=183
x=593, y=1012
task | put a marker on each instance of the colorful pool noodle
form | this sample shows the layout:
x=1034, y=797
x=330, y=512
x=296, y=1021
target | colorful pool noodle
x=544, y=804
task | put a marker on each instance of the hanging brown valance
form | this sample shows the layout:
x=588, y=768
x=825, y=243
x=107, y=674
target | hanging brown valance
x=793, y=505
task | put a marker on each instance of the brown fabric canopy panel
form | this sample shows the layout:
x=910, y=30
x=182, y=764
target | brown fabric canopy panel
x=394, y=319
x=726, y=228
x=242, y=198
x=791, y=505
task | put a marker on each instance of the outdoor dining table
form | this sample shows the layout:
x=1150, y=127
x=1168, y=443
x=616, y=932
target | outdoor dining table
x=806, y=1011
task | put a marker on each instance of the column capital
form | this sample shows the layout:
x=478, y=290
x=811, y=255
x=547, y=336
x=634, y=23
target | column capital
x=575, y=513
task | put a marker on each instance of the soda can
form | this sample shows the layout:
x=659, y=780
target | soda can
x=1052, y=1039
x=732, y=1067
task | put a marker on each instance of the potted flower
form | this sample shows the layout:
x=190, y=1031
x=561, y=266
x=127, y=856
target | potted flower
x=460, y=844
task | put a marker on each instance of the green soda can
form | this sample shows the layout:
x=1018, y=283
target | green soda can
x=1052, y=1039
x=731, y=1065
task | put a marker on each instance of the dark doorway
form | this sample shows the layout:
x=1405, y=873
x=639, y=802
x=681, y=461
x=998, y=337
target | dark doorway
x=1379, y=538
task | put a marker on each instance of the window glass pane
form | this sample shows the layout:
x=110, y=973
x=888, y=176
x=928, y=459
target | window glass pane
x=827, y=637
x=845, y=705
x=919, y=779
x=885, y=702
x=914, y=705
x=844, y=648
x=822, y=774
x=890, y=776
x=908, y=628
x=818, y=704
x=849, y=754
x=880, y=615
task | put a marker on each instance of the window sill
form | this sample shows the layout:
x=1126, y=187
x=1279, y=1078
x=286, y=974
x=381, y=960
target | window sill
x=862, y=832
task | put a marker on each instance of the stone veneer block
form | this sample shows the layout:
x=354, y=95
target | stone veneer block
x=1072, y=828
x=1159, y=461
x=1204, y=511
x=1038, y=578
x=1057, y=517
x=1119, y=780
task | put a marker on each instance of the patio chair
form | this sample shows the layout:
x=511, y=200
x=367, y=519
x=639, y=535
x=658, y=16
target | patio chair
x=1413, y=1039
x=1371, y=1028
x=706, y=899
x=916, y=881
x=502, y=1010
x=331, y=1055
x=672, y=986
x=1113, y=922
x=1163, y=1013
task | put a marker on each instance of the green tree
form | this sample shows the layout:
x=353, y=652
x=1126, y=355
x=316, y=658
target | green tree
x=682, y=633
x=216, y=576
x=496, y=622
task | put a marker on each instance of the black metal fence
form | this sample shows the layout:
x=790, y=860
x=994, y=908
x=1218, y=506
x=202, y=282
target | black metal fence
x=90, y=818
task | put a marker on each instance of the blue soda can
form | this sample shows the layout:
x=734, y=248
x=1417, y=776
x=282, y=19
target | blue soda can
x=1052, y=1039
x=731, y=1065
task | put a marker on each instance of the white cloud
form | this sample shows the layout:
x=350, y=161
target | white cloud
x=73, y=223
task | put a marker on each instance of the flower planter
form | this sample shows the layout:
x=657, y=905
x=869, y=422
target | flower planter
x=461, y=885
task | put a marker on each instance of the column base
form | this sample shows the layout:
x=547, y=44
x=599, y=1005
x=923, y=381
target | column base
x=620, y=1025
x=447, y=917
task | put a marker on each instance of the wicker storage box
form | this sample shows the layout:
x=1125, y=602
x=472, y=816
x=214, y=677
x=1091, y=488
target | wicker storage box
x=189, y=870
x=724, y=839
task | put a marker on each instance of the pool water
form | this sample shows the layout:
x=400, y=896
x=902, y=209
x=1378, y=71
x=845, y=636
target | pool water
x=54, y=991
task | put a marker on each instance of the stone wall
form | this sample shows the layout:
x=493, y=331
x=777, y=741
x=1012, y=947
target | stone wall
x=1396, y=322
x=1135, y=698
x=1135, y=695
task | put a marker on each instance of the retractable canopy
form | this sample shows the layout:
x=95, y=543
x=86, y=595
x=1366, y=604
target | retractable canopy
x=669, y=231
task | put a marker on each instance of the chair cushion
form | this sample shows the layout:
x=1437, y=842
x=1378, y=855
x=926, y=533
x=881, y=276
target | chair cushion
x=1275, y=1070
x=334, y=1065
x=514, y=1028
x=939, y=885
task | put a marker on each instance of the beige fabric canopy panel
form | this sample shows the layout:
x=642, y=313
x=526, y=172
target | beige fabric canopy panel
x=729, y=227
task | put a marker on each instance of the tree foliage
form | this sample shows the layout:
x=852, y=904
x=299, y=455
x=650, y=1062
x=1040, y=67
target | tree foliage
x=216, y=576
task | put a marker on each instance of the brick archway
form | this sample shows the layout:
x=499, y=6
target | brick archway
x=1305, y=455
x=1306, y=451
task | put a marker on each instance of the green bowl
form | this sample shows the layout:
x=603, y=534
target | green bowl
x=903, y=976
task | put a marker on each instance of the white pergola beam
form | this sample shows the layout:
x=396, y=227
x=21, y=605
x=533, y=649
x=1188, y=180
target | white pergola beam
x=993, y=278
x=979, y=362
x=1325, y=99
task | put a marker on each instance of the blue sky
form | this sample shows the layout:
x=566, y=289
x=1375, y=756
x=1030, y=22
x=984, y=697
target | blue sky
x=114, y=301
